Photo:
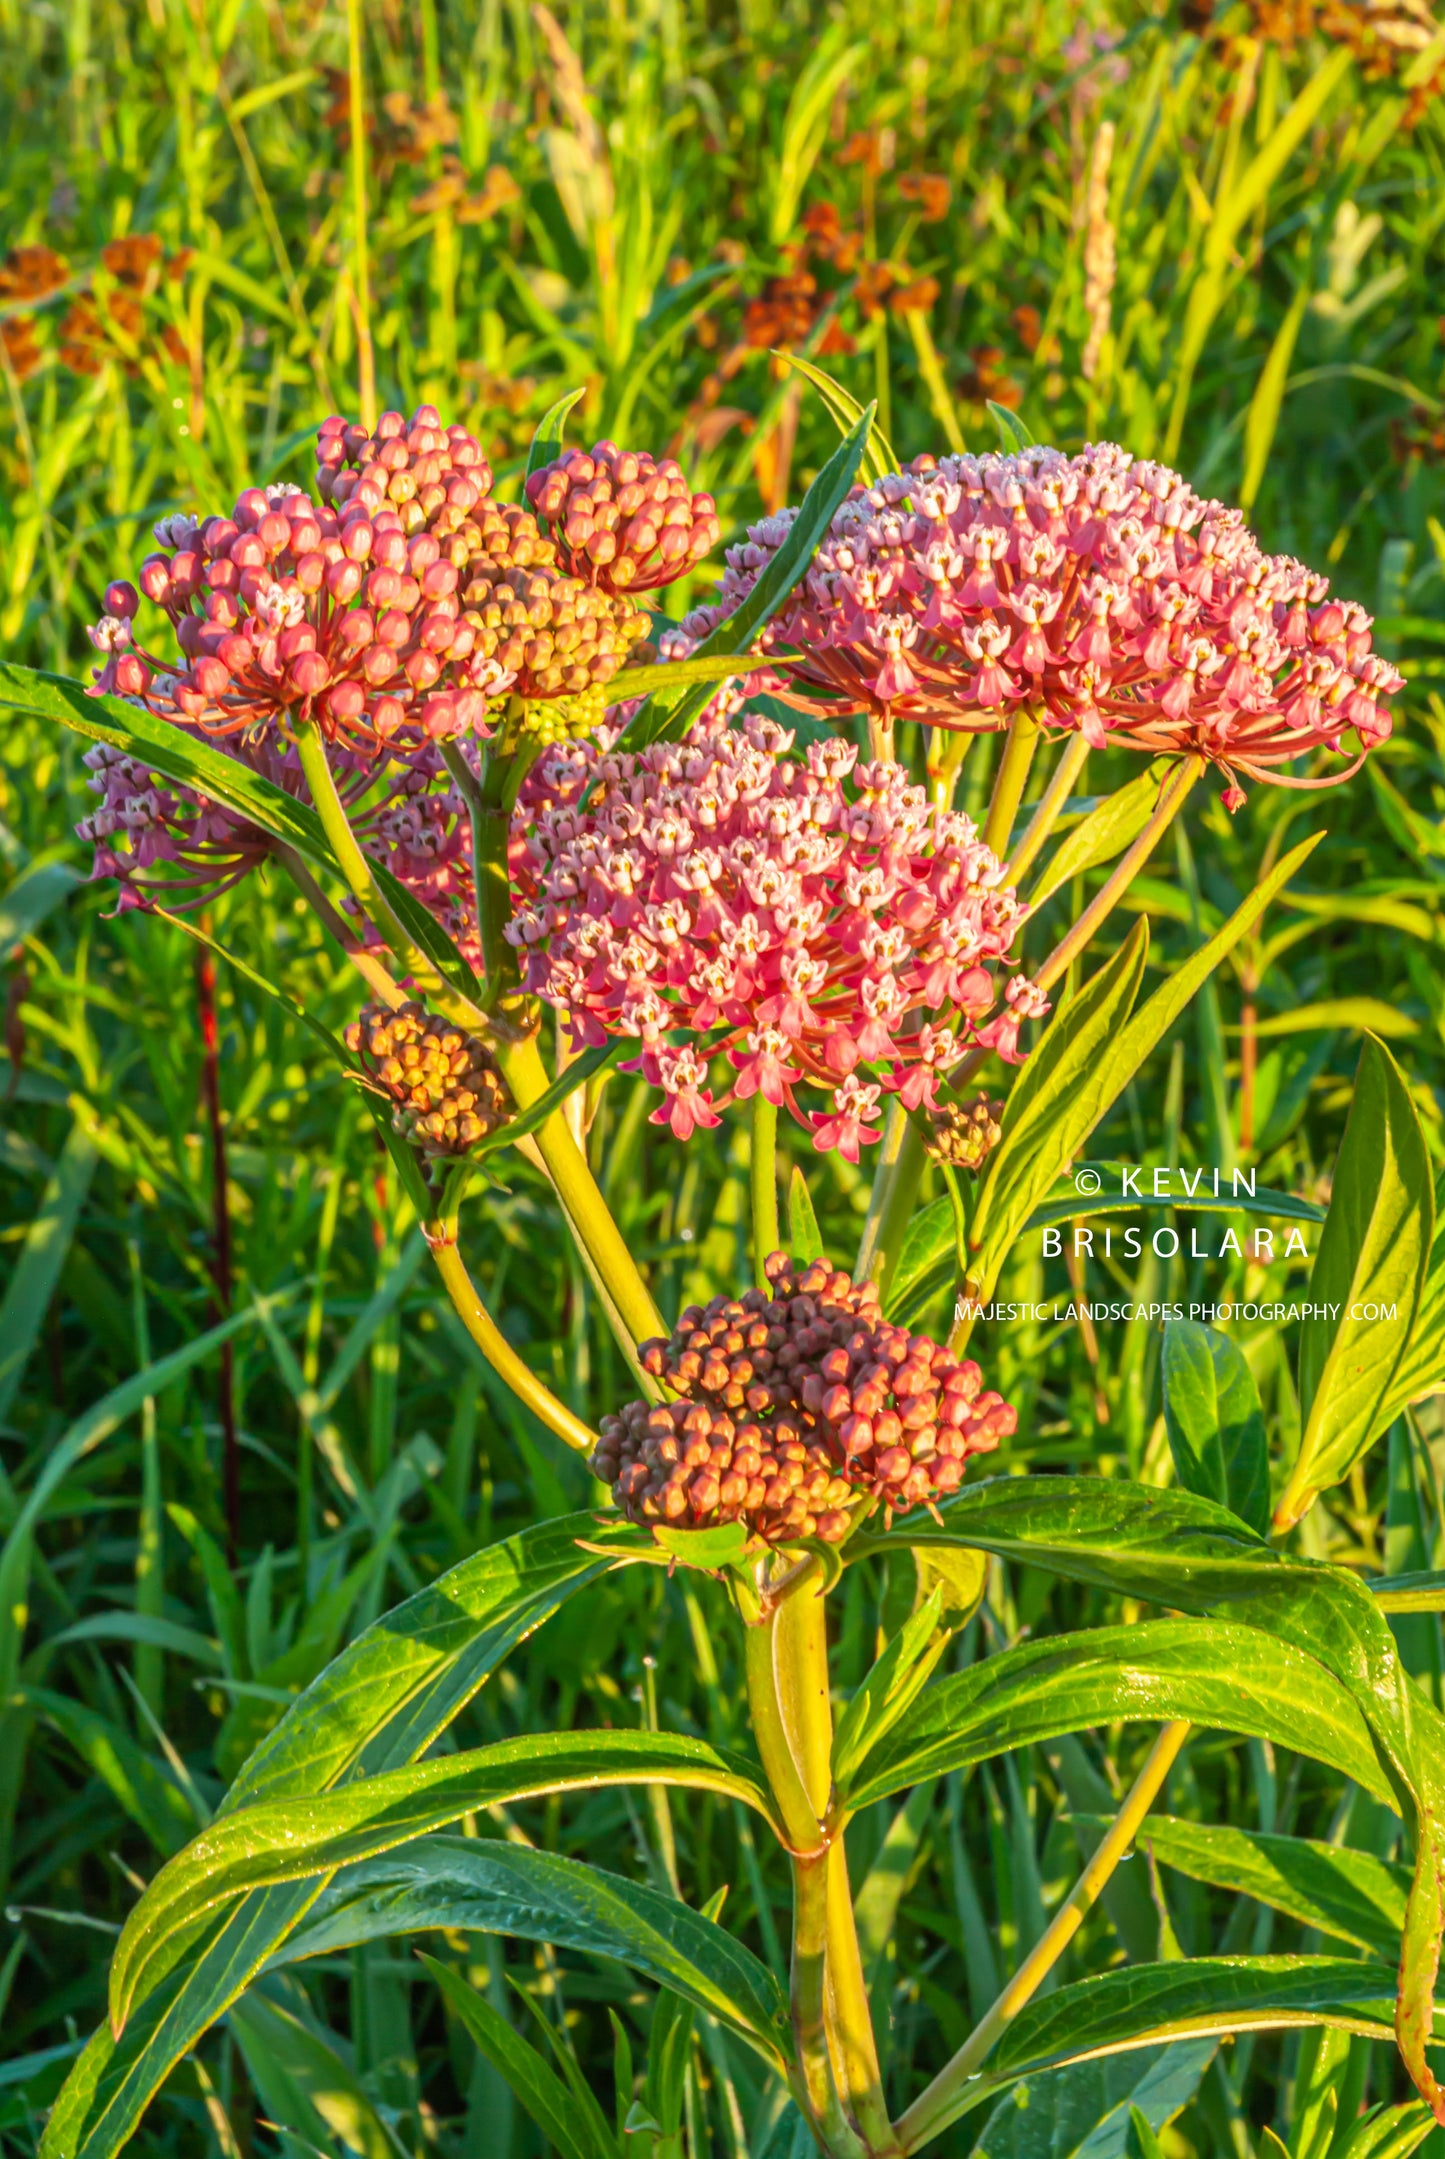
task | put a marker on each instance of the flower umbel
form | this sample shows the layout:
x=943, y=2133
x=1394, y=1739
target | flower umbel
x=445, y=1084
x=796, y=1401
x=1099, y=590
x=624, y=521
x=814, y=935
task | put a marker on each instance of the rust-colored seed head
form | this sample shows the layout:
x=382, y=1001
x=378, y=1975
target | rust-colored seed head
x=445, y=1084
x=964, y=1133
x=624, y=521
x=794, y=1401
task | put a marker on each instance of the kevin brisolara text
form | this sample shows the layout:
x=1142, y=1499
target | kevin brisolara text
x=1209, y=1314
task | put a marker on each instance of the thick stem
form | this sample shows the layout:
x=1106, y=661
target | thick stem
x=805, y=1836
x=800, y=1660
x=1172, y=797
x=935, y=2108
x=1051, y=802
x=1010, y=780
x=495, y=1347
x=1248, y=1055
x=361, y=878
x=586, y=1209
x=764, y=1173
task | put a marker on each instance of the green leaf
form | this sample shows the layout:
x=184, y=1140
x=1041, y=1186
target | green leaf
x=564, y=2122
x=1346, y=1893
x=880, y=456
x=1227, y=1677
x=1144, y=2005
x=34, y=895
x=1012, y=434
x=706, y=669
x=1103, y=834
x=805, y=1239
x=42, y=1255
x=132, y=1777
x=736, y=632
x=177, y=756
x=383, y=1701
x=1085, y=2112
x=551, y=431
x=1421, y=1369
x=1388, y=2133
x=1052, y=1107
x=1215, y=1422
x=900, y=1673
x=489, y=1886
x=303, y=2083
x=268, y=1842
x=1085, y=1059
x=1373, y=1253
x=585, y=1066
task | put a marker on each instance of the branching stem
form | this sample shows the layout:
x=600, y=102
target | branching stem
x=1172, y=797
x=764, y=1172
x=495, y=1347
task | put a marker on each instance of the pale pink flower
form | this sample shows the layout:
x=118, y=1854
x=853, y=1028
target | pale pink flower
x=815, y=935
x=1098, y=590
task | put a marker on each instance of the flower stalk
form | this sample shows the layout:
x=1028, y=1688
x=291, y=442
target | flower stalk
x=441, y=1236
x=1010, y=780
x=1172, y=797
x=763, y=1170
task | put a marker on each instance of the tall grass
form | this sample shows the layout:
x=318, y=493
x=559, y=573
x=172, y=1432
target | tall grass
x=482, y=206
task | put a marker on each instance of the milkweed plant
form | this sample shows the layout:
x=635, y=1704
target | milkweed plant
x=555, y=832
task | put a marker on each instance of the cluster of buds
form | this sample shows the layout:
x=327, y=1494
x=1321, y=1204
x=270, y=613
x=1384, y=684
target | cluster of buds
x=543, y=635
x=818, y=934
x=1098, y=590
x=624, y=521
x=964, y=1133
x=797, y=1402
x=344, y=614
x=445, y=1083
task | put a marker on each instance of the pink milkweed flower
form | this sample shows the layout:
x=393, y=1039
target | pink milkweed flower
x=1025, y=1001
x=1098, y=590
x=343, y=613
x=816, y=935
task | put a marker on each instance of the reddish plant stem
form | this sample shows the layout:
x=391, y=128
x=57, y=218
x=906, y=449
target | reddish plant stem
x=220, y=1241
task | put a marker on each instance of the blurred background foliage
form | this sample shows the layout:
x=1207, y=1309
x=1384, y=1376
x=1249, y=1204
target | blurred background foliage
x=1215, y=236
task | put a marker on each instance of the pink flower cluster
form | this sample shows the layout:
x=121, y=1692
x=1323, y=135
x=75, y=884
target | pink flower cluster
x=837, y=938
x=621, y=519
x=344, y=613
x=1098, y=589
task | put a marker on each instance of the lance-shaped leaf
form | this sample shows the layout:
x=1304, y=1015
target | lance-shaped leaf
x=569, y=2126
x=1215, y=1422
x=659, y=722
x=1086, y=2111
x=1147, y=2005
x=1349, y=1894
x=1227, y=1677
x=1323, y=1611
x=476, y=1885
x=382, y=1702
x=1421, y=1369
x=551, y=432
x=902, y=1671
x=1367, y=1280
x=1104, y=833
x=181, y=757
x=1085, y=1059
x=288, y=1840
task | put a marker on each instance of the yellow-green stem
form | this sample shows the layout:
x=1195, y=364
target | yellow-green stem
x=586, y=1209
x=805, y=1836
x=1051, y=802
x=495, y=1347
x=936, y=2107
x=367, y=965
x=361, y=272
x=764, y=1172
x=489, y=815
x=1172, y=797
x=361, y=878
x=1010, y=780
x=800, y=1662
